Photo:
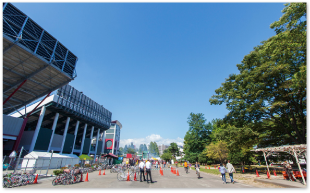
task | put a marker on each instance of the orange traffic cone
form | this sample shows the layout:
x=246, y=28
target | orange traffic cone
x=86, y=179
x=99, y=172
x=81, y=180
x=36, y=180
x=128, y=178
x=174, y=171
x=103, y=172
x=135, y=178
x=214, y=167
x=209, y=168
x=178, y=173
x=257, y=175
x=268, y=175
x=274, y=173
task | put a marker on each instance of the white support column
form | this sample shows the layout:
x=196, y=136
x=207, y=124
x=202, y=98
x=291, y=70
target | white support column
x=84, y=133
x=266, y=163
x=91, y=136
x=103, y=142
x=302, y=175
x=36, y=132
x=53, y=129
x=113, y=144
x=97, y=139
x=75, y=134
x=65, y=134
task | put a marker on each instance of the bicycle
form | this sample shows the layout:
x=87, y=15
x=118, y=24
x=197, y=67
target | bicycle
x=122, y=175
x=186, y=169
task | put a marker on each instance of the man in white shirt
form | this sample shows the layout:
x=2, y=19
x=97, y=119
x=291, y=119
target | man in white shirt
x=148, y=171
x=230, y=170
x=141, y=166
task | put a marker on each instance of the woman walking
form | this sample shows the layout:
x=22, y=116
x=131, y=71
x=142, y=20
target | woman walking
x=223, y=170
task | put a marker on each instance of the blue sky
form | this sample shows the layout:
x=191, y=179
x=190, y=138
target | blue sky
x=152, y=64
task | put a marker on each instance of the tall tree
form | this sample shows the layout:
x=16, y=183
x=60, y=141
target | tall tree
x=166, y=156
x=131, y=150
x=197, y=137
x=173, y=148
x=270, y=90
x=217, y=151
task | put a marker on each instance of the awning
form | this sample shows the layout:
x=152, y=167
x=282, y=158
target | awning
x=110, y=155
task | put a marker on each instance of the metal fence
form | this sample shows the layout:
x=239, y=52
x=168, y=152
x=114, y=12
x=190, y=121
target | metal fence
x=41, y=166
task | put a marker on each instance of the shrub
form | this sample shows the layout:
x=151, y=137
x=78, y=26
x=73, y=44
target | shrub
x=87, y=165
x=64, y=168
x=57, y=172
x=76, y=165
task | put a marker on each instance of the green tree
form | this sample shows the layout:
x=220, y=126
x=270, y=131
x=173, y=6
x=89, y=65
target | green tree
x=239, y=140
x=131, y=150
x=166, y=151
x=154, y=149
x=197, y=137
x=269, y=94
x=121, y=151
x=217, y=151
x=173, y=148
x=166, y=156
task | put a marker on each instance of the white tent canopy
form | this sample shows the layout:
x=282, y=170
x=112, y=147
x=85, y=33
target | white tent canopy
x=42, y=160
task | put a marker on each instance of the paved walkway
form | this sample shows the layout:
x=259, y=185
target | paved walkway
x=168, y=180
x=282, y=183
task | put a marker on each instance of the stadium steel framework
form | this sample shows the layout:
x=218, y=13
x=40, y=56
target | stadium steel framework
x=73, y=117
x=34, y=62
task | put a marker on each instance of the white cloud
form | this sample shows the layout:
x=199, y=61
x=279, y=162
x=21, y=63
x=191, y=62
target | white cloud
x=154, y=137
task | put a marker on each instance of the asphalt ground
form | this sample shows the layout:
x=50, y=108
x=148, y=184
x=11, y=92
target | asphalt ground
x=168, y=180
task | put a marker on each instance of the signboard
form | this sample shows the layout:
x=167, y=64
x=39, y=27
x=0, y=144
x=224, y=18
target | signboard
x=120, y=158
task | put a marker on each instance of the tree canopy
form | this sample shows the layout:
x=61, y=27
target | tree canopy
x=197, y=137
x=268, y=96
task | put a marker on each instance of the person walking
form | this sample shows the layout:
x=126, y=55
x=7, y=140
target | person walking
x=223, y=170
x=230, y=170
x=148, y=171
x=185, y=167
x=164, y=164
x=156, y=164
x=141, y=166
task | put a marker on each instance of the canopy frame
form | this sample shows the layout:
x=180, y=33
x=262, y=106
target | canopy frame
x=294, y=150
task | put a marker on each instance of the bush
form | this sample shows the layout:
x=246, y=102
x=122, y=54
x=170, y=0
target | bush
x=57, y=172
x=64, y=168
x=87, y=165
x=76, y=165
